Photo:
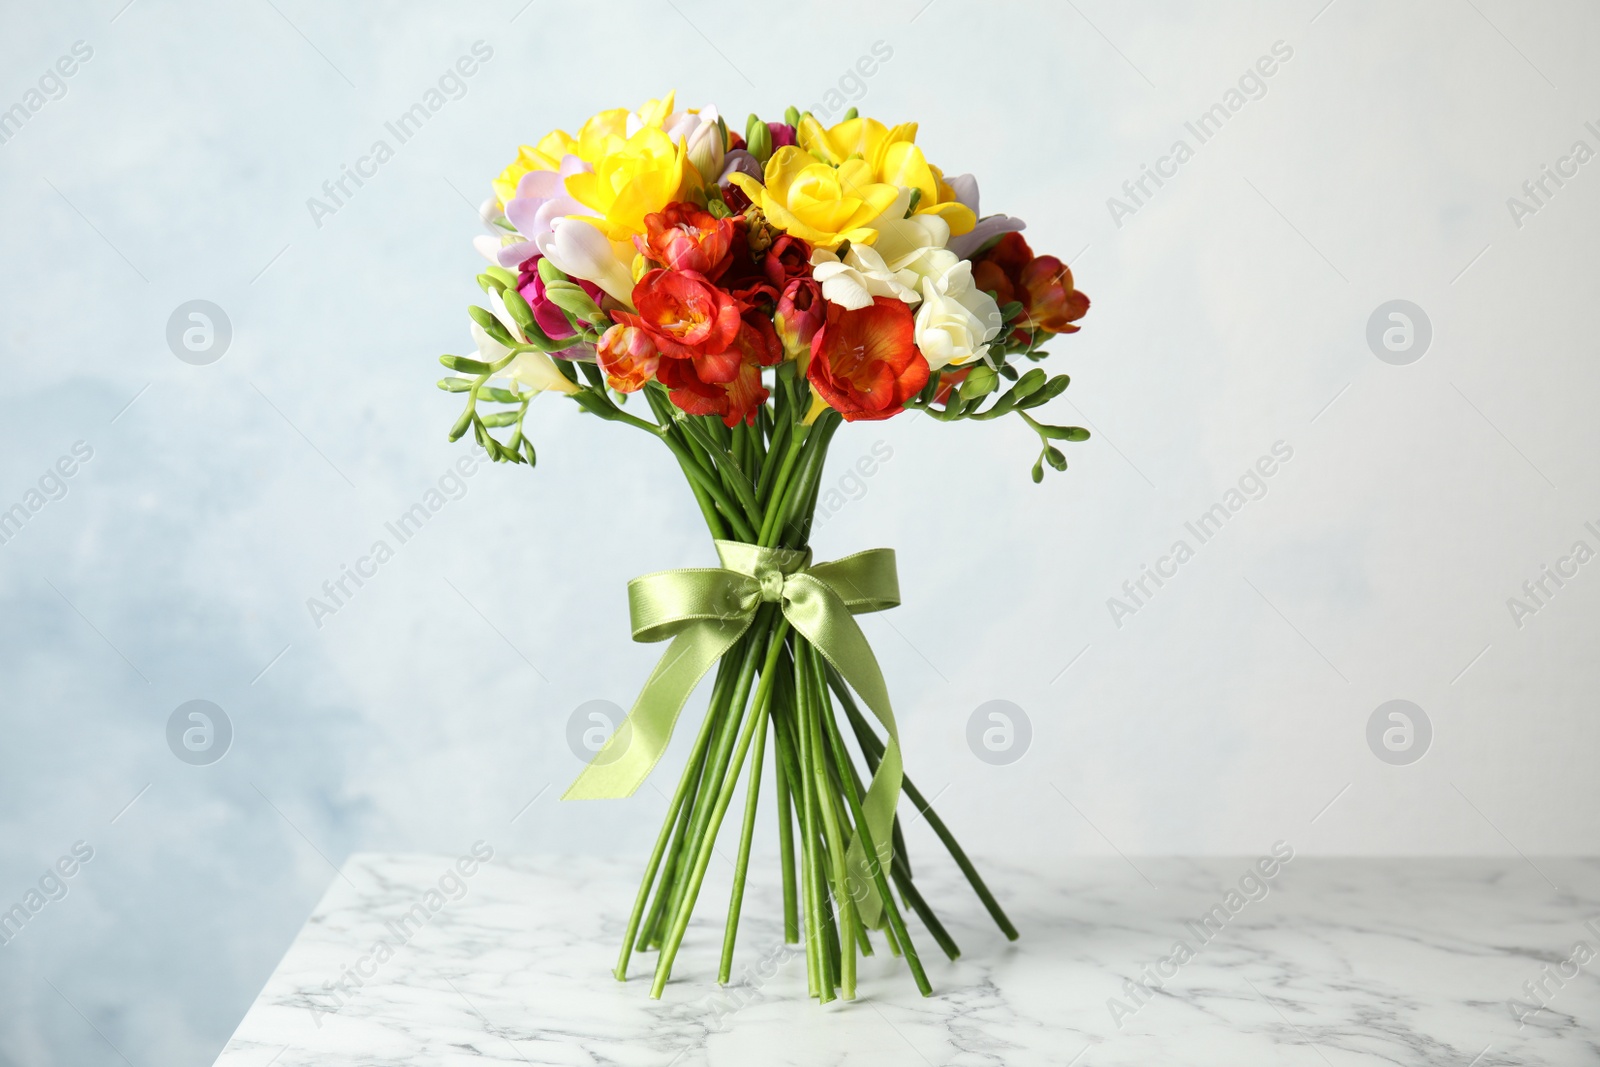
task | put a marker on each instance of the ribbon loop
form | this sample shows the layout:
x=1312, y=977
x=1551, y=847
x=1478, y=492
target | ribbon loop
x=705, y=611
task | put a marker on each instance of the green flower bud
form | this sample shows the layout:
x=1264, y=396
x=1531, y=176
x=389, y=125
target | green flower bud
x=549, y=272
x=570, y=298
x=758, y=140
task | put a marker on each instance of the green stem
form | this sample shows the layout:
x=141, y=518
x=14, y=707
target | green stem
x=830, y=822
x=872, y=750
x=896, y=923
x=708, y=837
x=736, y=898
x=690, y=773
x=776, y=502
x=791, y=915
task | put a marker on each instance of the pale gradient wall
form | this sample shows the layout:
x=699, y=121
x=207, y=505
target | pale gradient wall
x=1230, y=313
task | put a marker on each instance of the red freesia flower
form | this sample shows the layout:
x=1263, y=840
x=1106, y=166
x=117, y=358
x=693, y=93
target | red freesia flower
x=1041, y=284
x=685, y=237
x=782, y=134
x=628, y=356
x=1053, y=304
x=685, y=315
x=788, y=258
x=736, y=393
x=865, y=362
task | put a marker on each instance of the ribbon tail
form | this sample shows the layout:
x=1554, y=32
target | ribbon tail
x=817, y=611
x=631, y=753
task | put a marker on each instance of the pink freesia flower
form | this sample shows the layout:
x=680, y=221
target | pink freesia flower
x=550, y=317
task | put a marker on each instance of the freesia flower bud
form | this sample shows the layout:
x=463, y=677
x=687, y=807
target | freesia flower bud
x=707, y=149
x=758, y=140
x=799, y=313
x=582, y=251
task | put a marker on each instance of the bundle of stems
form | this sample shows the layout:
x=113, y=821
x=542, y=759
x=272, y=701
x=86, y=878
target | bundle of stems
x=758, y=483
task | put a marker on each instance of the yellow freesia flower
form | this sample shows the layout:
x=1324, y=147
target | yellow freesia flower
x=600, y=135
x=633, y=179
x=820, y=204
x=867, y=138
x=894, y=160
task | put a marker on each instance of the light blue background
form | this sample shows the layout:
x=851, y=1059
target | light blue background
x=1229, y=312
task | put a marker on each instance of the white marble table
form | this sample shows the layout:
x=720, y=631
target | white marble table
x=1343, y=962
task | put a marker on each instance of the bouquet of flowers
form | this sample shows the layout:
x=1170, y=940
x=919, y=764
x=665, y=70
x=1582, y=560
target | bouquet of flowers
x=757, y=292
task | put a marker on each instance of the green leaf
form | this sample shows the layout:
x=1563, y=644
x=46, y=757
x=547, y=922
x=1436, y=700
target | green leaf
x=502, y=418
x=980, y=383
x=1011, y=310
x=592, y=372
x=464, y=365
x=455, y=385
x=568, y=371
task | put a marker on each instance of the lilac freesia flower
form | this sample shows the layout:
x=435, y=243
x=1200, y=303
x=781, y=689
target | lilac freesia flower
x=739, y=161
x=541, y=199
x=987, y=229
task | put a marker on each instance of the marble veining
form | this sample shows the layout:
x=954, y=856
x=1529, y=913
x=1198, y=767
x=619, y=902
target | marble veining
x=1329, y=962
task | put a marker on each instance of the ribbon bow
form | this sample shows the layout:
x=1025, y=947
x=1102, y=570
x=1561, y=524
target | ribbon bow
x=705, y=610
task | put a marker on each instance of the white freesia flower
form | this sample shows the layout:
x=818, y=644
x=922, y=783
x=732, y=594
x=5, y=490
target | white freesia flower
x=580, y=250
x=913, y=248
x=536, y=370
x=853, y=281
x=957, y=320
x=902, y=240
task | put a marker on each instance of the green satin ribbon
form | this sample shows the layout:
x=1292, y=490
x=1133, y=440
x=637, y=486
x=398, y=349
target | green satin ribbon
x=705, y=611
